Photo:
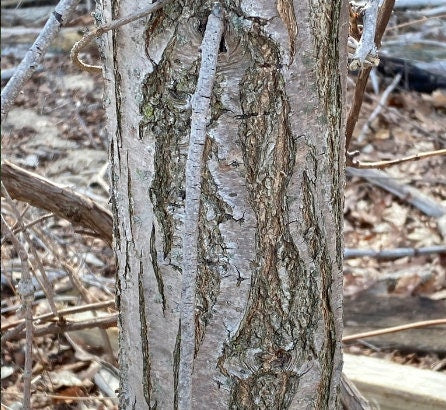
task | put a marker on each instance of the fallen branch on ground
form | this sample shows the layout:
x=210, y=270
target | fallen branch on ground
x=351, y=398
x=406, y=193
x=393, y=253
x=29, y=187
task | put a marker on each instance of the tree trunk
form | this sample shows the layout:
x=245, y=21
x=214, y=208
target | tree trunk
x=269, y=282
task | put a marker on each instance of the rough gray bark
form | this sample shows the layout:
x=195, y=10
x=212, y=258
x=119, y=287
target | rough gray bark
x=269, y=285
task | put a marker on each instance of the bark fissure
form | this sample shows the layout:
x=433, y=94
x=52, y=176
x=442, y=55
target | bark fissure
x=265, y=356
x=212, y=255
x=144, y=336
x=156, y=269
x=167, y=94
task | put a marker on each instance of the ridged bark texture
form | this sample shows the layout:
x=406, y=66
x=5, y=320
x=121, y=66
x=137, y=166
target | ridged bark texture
x=269, y=284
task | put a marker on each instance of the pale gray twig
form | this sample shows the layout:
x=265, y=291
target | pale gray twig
x=43, y=280
x=26, y=291
x=405, y=192
x=194, y=163
x=366, y=49
x=34, y=57
x=396, y=253
x=381, y=104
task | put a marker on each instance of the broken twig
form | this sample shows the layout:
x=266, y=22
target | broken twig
x=353, y=115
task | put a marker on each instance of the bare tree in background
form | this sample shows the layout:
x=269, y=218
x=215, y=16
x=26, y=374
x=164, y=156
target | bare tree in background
x=268, y=289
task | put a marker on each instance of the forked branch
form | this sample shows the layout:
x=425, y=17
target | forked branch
x=383, y=18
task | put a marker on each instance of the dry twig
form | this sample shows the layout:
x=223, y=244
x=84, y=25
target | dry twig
x=26, y=291
x=43, y=279
x=352, y=119
x=63, y=326
x=34, y=57
x=394, y=329
x=392, y=162
x=62, y=313
x=405, y=192
x=84, y=41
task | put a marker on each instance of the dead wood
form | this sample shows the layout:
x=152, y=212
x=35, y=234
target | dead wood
x=406, y=193
x=29, y=187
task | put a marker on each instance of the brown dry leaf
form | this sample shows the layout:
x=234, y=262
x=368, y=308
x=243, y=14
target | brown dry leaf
x=69, y=392
x=396, y=214
x=382, y=134
x=437, y=98
x=407, y=284
x=423, y=236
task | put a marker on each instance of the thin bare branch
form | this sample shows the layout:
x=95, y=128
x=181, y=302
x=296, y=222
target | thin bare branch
x=35, y=222
x=59, y=327
x=381, y=104
x=366, y=49
x=194, y=164
x=389, y=254
x=26, y=291
x=413, y=22
x=43, y=279
x=394, y=329
x=87, y=38
x=390, y=163
x=34, y=57
x=383, y=18
x=62, y=313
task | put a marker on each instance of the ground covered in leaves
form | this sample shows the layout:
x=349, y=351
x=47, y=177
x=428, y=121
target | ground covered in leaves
x=56, y=129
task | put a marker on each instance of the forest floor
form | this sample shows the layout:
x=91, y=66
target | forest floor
x=56, y=129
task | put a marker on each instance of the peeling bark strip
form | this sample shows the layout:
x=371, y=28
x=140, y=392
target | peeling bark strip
x=194, y=164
